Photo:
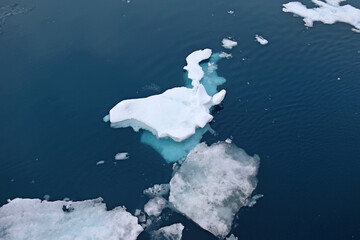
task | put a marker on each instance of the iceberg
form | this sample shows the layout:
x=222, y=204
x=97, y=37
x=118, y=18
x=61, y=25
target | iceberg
x=212, y=184
x=228, y=44
x=172, y=232
x=328, y=12
x=261, y=40
x=35, y=219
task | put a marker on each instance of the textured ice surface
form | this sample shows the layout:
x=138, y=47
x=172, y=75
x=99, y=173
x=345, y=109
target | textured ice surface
x=122, y=156
x=195, y=72
x=228, y=44
x=327, y=12
x=157, y=190
x=155, y=206
x=172, y=232
x=261, y=40
x=35, y=219
x=212, y=184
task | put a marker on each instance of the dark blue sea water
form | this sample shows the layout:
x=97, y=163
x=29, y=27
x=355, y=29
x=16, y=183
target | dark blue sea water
x=64, y=64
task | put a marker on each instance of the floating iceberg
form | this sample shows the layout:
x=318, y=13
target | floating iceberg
x=36, y=219
x=212, y=184
x=172, y=232
x=195, y=72
x=261, y=40
x=228, y=44
x=155, y=206
x=328, y=12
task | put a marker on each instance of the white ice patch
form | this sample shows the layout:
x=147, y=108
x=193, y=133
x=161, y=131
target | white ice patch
x=212, y=184
x=195, y=72
x=122, y=156
x=172, y=232
x=232, y=237
x=328, y=12
x=100, y=162
x=157, y=190
x=261, y=40
x=155, y=206
x=228, y=44
x=176, y=113
x=35, y=219
x=225, y=55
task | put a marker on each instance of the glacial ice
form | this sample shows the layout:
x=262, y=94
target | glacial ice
x=212, y=184
x=261, y=40
x=195, y=72
x=228, y=43
x=328, y=12
x=155, y=206
x=172, y=232
x=35, y=219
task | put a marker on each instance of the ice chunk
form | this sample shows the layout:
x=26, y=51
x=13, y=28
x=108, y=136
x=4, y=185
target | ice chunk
x=228, y=140
x=261, y=40
x=225, y=55
x=100, y=162
x=328, y=12
x=122, y=156
x=172, y=232
x=155, y=206
x=176, y=113
x=218, y=97
x=157, y=190
x=212, y=184
x=195, y=72
x=35, y=219
x=232, y=237
x=228, y=44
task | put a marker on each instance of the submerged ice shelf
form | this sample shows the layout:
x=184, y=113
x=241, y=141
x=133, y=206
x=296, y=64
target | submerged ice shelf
x=36, y=219
x=328, y=12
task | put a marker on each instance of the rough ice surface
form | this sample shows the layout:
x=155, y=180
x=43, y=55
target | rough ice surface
x=228, y=44
x=328, y=12
x=261, y=40
x=157, y=190
x=122, y=156
x=231, y=237
x=172, y=232
x=35, y=219
x=212, y=184
x=155, y=206
x=195, y=72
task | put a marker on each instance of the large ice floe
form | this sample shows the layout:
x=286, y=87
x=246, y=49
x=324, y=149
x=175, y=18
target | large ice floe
x=172, y=232
x=35, y=219
x=328, y=12
x=176, y=119
x=212, y=184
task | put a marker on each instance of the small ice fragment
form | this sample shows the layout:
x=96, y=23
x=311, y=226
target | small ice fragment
x=46, y=197
x=225, y=55
x=228, y=140
x=106, y=118
x=230, y=12
x=338, y=78
x=232, y=237
x=228, y=44
x=155, y=206
x=137, y=212
x=100, y=162
x=157, y=190
x=172, y=232
x=32, y=181
x=261, y=40
x=122, y=156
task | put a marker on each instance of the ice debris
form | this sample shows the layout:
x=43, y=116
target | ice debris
x=157, y=190
x=172, y=232
x=231, y=237
x=212, y=184
x=228, y=44
x=261, y=40
x=328, y=12
x=195, y=72
x=35, y=219
x=122, y=156
x=155, y=206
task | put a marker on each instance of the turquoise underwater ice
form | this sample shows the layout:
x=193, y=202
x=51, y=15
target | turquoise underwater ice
x=171, y=150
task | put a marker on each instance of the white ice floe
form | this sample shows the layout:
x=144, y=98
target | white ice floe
x=328, y=12
x=231, y=12
x=231, y=237
x=176, y=113
x=35, y=219
x=122, y=156
x=261, y=40
x=157, y=190
x=100, y=162
x=155, y=206
x=172, y=232
x=225, y=55
x=228, y=44
x=228, y=140
x=212, y=184
x=195, y=72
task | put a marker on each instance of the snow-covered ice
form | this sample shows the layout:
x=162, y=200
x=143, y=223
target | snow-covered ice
x=157, y=190
x=228, y=43
x=195, y=72
x=172, y=232
x=212, y=184
x=261, y=40
x=328, y=12
x=122, y=156
x=155, y=206
x=35, y=219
